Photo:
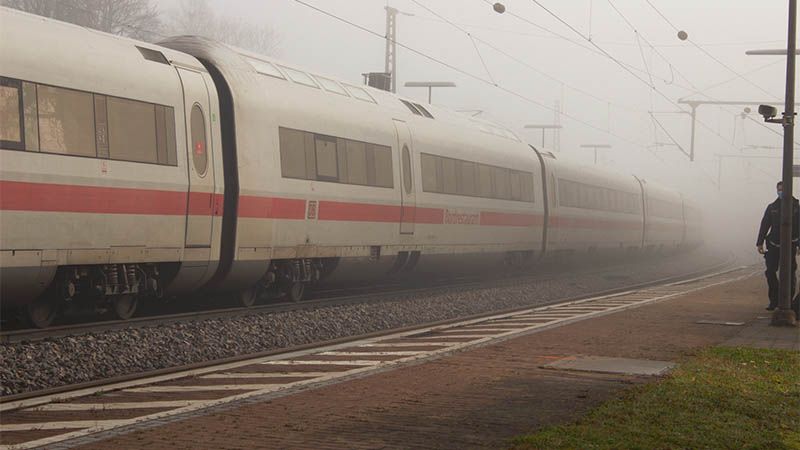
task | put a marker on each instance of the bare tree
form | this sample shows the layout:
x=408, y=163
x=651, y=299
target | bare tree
x=196, y=17
x=134, y=18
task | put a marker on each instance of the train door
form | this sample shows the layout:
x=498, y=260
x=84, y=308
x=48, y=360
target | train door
x=199, y=214
x=553, y=226
x=408, y=200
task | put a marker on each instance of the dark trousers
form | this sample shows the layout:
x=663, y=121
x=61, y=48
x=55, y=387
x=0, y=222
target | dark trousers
x=773, y=258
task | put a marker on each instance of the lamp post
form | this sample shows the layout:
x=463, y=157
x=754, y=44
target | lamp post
x=783, y=315
x=543, y=128
x=430, y=85
x=595, y=147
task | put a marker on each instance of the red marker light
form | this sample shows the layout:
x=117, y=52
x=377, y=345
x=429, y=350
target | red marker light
x=198, y=148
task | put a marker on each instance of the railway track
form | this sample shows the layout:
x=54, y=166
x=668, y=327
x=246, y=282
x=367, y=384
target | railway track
x=323, y=298
x=67, y=413
x=76, y=330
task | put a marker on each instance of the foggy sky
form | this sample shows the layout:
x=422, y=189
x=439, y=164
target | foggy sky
x=724, y=28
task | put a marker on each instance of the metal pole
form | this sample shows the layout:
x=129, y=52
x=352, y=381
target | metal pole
x=595, y=155
x=430, y=89
x=542, y=137
x=784, y=314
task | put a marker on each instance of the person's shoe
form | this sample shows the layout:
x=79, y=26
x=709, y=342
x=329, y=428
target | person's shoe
x=770, y=308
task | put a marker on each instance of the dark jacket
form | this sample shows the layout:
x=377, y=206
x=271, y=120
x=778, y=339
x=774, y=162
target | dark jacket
x=771, y=224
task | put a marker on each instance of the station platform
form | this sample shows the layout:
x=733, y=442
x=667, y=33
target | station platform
x=482, y=397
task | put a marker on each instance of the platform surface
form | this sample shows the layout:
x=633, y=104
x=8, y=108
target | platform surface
x=482, y=397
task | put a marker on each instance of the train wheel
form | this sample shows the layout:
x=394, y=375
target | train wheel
x=125, y=305
x=42, y=312
x=248, y=297
x=295, y=291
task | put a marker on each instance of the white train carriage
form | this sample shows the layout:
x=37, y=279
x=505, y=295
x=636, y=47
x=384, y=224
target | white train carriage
x=97, y=173
x=665, y=227
x=592, y=209
x=334, y=172
x=131, y=167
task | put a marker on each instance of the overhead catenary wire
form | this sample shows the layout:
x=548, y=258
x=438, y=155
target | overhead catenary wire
x=465, y=73
x=521, y=61
x=708, y=54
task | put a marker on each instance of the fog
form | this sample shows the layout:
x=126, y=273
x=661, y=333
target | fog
x=599, y=101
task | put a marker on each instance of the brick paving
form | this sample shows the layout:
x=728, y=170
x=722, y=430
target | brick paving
x=482, y=397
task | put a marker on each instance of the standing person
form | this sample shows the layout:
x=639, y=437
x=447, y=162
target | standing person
x=770, y=232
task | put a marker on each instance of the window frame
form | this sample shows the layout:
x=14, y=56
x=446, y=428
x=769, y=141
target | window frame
x=310, y=82
x=16, y=145
x=94, y=95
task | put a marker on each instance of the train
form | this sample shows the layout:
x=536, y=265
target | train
x=131, y=170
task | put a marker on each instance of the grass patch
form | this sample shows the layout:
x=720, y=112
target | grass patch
x=722, y=398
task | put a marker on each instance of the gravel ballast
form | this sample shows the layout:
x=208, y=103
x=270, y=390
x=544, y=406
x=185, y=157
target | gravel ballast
x=31, y=366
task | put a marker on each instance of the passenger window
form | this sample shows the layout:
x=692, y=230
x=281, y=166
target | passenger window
x=428, y=172
x=327, y=165
x=516, y=185
x=468, y=186
x=527, y=187
x=407, y=170
x=384, y=177
x=165, y=135
x=101, y=125
x=485, y=181
x=66, y=121
x=293, y=154
x=501, y=183
x=11, y=133
x=199, y=148
x=356, y=162
x=31, y=121
x=132, y=132
x=449, y=175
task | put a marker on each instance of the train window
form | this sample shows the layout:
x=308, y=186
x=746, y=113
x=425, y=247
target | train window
x=356, y=162
x=359, y=93
x=423, y=111
x=101, y=125
x=300, y=77
x=384, y=177
x=485, y=188
x=407, y=169
x=31, y=113
x=428, y=163
x=501, y=183
x=327, y=161
x=265, y=68
x=199, y=148
x=132, y=131
x=411, y=107
x=516, y=185
x=331, y=86
x=66, y=121
x=293, y=154
x=449, y=176
x=467, y=178
x=11, y=132
x=527, y=187
x=165, y=134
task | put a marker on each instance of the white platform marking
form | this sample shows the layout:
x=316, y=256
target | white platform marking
x=265, y=375
x=294, y=362
x=218, y=387
x=59, y=425
x=103, y=406
x=392, y=353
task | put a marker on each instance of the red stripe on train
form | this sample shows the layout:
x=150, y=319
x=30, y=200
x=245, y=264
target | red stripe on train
x=254, y=207
x=511, y=219
x=23, y=196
